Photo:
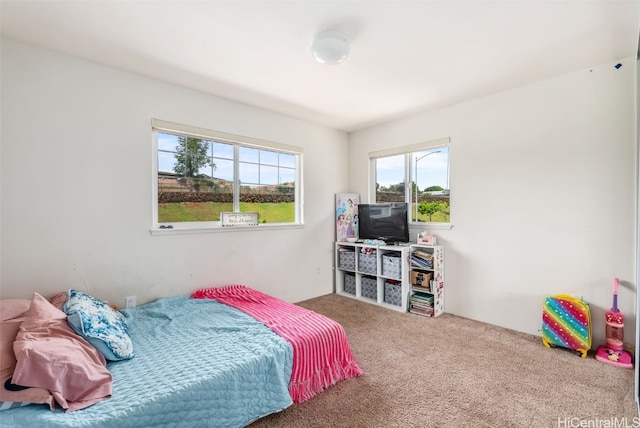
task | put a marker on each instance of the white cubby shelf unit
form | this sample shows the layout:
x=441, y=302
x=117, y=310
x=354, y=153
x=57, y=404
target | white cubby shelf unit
x=377, y=274
x=426, y=277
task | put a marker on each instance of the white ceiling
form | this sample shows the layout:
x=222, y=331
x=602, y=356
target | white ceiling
x=406, y=56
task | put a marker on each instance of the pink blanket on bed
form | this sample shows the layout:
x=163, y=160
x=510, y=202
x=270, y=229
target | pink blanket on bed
x=321, y=352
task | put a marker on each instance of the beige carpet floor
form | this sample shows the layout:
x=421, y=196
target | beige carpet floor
x=454, y=372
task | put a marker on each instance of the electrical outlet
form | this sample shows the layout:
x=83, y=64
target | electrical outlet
x=130, y=302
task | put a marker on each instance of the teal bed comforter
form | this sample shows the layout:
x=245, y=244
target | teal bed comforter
x=198, y=363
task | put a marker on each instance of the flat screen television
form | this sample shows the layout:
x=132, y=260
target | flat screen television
x=387, y=222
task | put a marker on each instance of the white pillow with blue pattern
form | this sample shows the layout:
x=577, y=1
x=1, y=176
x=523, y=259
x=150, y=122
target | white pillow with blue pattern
x=101, y=325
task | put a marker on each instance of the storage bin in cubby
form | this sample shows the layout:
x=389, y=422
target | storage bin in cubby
x=369, y=287
x=350, y=283
x=421, y=279
x=347, y=260
x=393, y=293
x=367, y=263
x=391, y=265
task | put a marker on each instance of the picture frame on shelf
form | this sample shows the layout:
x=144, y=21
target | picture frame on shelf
x=347, y=217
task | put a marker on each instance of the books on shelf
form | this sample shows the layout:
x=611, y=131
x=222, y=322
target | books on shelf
x=422, y=260
x=426, y=275
x=420, y=289
x=422, y=298
x=421, y=304
x=423, y=254
x=428, y=313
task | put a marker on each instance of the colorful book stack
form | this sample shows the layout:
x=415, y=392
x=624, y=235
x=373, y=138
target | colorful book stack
x=421, y=304
x=422, y=260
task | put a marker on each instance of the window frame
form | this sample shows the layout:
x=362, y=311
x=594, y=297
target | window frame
x=162, y=126
x=408, y=151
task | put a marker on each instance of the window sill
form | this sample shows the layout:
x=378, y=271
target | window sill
x=184, y=230
x=431, y=226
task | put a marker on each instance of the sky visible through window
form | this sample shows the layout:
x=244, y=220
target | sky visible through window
x=432, y=170
x=256, y=167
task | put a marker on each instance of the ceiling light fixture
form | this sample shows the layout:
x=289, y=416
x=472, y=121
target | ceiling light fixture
x=330, y=48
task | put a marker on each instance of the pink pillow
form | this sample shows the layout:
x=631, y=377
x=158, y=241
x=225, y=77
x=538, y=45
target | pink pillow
x=14, y=311
x=13, y=308
x=46, y=347
x=58, y=299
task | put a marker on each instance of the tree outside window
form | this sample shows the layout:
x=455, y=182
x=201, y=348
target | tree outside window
x=199, y=178
x=426, y=171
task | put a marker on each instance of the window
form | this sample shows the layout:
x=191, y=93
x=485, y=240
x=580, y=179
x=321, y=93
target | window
x=201, y=173
x=418, y=175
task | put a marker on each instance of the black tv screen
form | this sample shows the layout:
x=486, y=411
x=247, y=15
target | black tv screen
x=387, y=222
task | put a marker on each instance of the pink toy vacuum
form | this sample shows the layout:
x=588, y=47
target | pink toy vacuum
x=613, y=352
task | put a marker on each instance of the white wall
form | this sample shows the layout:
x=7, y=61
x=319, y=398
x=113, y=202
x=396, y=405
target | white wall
x=542, y=195
x=542, y=179
x=77, y=177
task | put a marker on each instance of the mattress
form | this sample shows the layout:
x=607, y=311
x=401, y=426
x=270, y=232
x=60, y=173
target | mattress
x=198, y=363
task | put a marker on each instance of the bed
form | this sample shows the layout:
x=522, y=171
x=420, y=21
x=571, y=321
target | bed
x=222, y=357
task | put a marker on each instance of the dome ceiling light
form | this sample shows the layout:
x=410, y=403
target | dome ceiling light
x=330, y=48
